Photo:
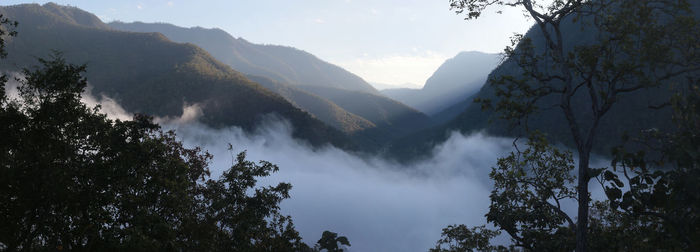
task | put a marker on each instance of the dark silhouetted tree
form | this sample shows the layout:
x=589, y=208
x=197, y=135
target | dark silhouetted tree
x=460, y=238
x=631, y=45
x=72, y=179
x=664, y=188
x=331, y=242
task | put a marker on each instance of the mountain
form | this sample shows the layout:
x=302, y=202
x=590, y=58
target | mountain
x=357, y=110
x=630, y=114
x=455, y=80
x=320, y=107
x=393, y=119
x=280, y=63
x=148, y=73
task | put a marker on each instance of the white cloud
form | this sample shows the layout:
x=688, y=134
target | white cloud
x=170, y=4
x=139, y=7
x=190, y=114
x=107, y=106
x=319, y=21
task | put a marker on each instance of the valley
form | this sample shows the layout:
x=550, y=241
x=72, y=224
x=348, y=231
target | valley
x=267, y=146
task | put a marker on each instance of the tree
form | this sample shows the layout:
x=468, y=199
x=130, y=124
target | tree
x=244, y=222
x=634, y=45
x=526, y=201
x=330, y=240
x=75, y=180
x=6, y=30
x=664, y=188
x=459, y=238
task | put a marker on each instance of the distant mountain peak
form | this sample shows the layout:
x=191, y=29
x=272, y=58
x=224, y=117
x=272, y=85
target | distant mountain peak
x=456, y=79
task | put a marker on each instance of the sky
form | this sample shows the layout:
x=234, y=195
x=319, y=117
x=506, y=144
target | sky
x=389, y=42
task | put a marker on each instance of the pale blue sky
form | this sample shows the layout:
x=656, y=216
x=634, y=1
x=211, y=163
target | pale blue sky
x=396, y=42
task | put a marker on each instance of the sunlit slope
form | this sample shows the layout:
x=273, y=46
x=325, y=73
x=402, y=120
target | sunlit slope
x=346, y=101
x=147, y=73
x=321, y=108
x=281, y=63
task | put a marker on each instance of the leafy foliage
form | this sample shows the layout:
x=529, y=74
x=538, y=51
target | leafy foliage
x=529, y=187
x=75, y=180
x=664, y=187
x=330, y=240
x=459, y=238
x=630, y=46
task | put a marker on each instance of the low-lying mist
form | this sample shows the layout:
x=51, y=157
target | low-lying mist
x=379, y=205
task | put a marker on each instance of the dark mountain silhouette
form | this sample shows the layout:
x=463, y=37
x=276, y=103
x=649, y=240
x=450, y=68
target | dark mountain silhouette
x=455, y=80
x=147, y=73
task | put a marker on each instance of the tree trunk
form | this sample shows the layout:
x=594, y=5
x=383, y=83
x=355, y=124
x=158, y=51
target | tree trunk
x=582, y=222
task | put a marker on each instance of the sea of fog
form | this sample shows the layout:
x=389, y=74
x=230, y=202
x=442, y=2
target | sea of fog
x=378, y=204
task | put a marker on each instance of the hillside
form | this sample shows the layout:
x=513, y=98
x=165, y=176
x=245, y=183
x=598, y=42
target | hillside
x=355, y=110
x=281, y=63
x=320, y=107
x=147, y=73
x=393, y=119
x=455, y=80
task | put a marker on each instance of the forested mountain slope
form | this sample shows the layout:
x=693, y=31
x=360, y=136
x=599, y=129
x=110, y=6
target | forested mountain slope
x=344, y=104
x=281, y=63
x=147, y=73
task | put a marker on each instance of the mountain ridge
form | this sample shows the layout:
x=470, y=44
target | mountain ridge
x=148, y=73
x=258, y=59
x=228, y=49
